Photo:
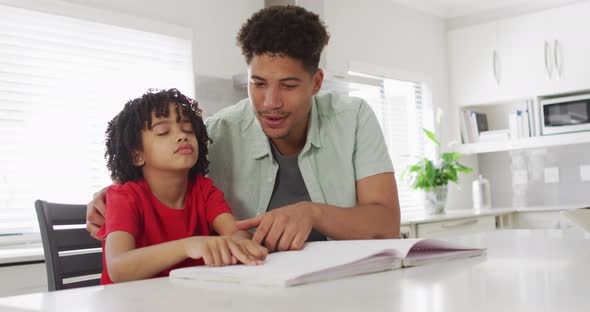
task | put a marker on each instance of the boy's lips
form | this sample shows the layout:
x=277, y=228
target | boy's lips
x=184, y=149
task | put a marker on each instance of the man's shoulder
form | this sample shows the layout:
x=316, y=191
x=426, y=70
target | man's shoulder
x=340, y=108
x=330, y=104
x=235, y=114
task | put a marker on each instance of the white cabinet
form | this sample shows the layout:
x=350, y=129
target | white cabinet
x=474, y=64
x=456, y=227
x=532, y=55
x=540, y=220
x=22, y=279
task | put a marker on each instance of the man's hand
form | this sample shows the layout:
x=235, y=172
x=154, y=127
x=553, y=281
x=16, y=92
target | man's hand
x=95, y=212
x=284, y=228
x=224, y=250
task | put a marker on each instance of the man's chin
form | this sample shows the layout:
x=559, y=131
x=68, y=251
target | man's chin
x=276, y=134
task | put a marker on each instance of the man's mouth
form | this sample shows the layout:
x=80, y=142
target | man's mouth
x=273, y=121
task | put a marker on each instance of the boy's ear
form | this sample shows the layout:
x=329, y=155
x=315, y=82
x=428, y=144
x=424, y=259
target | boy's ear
x=138, y=160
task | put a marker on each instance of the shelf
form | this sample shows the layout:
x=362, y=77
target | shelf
x=534, y=142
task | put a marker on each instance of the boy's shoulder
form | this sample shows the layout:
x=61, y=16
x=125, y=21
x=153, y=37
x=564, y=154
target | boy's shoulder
x=132, y=190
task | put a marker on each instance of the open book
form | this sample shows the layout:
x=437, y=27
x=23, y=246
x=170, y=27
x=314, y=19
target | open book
x=327, y=260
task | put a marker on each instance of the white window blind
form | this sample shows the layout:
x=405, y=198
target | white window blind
x=399, y=110
x=61, y=80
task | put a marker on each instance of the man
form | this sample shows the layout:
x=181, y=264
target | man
x=295, y=165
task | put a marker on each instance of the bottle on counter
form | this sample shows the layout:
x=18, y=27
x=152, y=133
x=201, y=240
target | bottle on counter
x=482, y=197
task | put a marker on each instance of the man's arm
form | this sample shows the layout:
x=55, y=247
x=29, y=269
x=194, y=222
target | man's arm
x=376, y=216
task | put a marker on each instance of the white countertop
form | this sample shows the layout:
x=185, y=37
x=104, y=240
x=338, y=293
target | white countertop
x=524, y=270
x=450, y=214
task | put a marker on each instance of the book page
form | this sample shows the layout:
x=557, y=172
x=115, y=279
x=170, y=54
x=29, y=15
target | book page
x=281, y=267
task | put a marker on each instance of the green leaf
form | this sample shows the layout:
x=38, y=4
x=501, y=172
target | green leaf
x=431, y=136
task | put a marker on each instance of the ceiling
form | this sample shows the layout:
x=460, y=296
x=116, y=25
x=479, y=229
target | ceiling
x=452, y=9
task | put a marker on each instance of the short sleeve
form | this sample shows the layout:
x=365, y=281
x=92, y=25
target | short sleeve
x=122, y=213
x=215, y=203
x=370, y=152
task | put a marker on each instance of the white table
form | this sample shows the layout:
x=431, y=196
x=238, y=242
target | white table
x=525, y=270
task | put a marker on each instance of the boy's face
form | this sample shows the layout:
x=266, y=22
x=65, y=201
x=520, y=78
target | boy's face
x=281, y=91
x=169, y=145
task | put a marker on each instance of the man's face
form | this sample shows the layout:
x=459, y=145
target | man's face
x=281, y=91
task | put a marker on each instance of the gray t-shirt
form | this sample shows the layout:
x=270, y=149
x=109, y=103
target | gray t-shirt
x=290, y=188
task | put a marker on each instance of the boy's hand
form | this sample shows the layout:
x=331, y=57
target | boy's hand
x=253, y=248
x=223, y=250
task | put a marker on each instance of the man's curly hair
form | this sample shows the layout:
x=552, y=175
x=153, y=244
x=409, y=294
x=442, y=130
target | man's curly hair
x=123, y=134
x=284, y=31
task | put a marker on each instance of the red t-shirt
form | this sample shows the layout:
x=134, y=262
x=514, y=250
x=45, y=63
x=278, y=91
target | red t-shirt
x=133, y=208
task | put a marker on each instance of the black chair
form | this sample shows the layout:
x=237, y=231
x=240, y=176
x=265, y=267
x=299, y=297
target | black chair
x=72, y=257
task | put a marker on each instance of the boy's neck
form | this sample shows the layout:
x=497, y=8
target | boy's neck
x=168, y=187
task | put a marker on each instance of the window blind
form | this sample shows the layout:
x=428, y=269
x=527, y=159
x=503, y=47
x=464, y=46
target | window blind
x=61, y=80
x=399, y=110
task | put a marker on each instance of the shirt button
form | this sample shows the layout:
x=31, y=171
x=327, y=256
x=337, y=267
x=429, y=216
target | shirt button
x=269, y=180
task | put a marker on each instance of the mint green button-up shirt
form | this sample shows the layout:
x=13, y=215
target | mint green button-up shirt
x=344, y=144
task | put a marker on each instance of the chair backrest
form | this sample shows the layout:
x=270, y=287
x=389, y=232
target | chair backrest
x=72, y=257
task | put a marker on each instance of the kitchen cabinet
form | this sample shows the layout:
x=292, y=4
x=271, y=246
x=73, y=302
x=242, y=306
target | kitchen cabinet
x=456, y=227
x=540, y=220
x=532, y=55
x=475, y=64
x=19, y=279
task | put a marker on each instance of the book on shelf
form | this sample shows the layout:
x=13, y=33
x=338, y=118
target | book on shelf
x=329, y=260
x=472, y=124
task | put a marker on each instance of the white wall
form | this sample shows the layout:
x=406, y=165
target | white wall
x=400, y=40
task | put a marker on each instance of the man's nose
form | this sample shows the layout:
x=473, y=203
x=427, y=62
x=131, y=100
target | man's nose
x=272, y=98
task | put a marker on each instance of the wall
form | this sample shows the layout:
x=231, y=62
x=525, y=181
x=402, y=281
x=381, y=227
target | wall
x=570, y=191
x=401, y=41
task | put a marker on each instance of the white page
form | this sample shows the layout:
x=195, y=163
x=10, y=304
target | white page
x=333, y=258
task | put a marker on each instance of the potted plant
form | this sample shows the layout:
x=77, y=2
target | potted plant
x=432, y=177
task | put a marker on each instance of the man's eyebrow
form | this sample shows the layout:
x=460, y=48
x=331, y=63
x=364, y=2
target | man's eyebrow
x=281, y=80
x=257, y=77
x=290, y=79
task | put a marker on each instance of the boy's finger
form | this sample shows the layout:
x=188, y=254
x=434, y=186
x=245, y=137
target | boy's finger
x=240, y=254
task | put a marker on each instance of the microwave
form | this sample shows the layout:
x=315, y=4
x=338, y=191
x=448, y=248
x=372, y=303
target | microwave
x=565, y=114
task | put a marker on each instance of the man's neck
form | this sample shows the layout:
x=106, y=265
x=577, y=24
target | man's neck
x=294, y=142
x=168, y=187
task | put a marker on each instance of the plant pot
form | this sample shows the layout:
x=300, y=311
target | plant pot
x=435, y=200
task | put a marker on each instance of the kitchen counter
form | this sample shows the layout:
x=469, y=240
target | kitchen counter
x=422, y=217
x=524, y=270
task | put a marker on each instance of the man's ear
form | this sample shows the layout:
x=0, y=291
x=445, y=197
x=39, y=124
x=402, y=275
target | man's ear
x=138, y=160
x=318, y=78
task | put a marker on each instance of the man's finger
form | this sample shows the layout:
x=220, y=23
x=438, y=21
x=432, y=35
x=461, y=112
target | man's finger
x=287, y=237
x=93, y=229
x=250, y=223
x=275, y=233
x=263, y=228
x=298, y=241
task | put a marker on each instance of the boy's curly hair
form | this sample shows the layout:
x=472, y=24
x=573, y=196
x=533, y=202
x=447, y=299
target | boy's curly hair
x=123, y=134
x=284, y=31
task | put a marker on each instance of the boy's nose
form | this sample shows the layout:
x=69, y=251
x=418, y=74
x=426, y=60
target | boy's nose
x=182, y=138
